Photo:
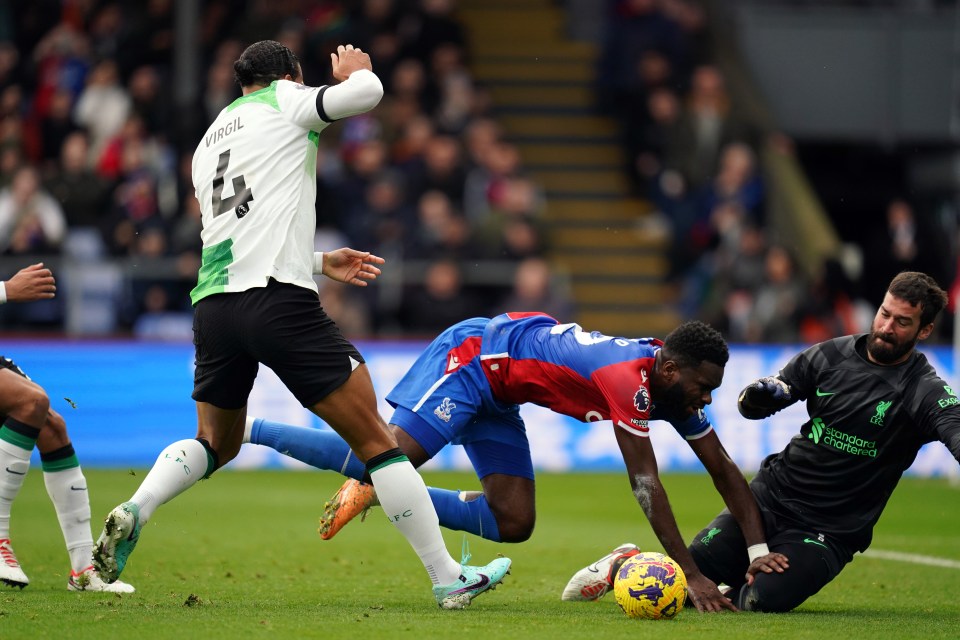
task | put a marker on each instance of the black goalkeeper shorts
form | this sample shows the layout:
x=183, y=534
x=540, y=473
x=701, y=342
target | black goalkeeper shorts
x=720, y=553
x=282, y=326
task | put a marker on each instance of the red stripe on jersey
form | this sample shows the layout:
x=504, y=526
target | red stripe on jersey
x=612, y=392
x=463, y=353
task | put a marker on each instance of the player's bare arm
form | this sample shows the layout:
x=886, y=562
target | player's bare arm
x=645, y=481
x=738, y=498
x=350, y=266
x=35, y=282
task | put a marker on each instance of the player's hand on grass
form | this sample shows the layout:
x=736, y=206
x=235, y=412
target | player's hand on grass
x=705, y=596
x=351, y=266
x=771, y=563
x=31, y=283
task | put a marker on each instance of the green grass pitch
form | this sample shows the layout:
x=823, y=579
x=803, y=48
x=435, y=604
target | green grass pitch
x=238, y=557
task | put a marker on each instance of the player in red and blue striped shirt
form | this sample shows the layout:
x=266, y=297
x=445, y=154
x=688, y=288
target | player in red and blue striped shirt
x=466, y=388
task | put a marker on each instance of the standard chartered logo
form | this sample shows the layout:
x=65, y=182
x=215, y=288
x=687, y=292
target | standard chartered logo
x=820, y=433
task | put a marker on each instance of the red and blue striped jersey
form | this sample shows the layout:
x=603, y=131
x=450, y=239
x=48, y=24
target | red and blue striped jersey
x=531, y=357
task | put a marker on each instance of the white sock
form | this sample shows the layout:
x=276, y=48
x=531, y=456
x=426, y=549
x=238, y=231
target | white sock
x=68, y=492
x=14, y=464
x=406, y=503
x=178, y=467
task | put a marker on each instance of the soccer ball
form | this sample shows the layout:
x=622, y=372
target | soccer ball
x=650, y=585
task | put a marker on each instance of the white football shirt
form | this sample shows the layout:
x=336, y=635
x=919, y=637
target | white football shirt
x=254, y=173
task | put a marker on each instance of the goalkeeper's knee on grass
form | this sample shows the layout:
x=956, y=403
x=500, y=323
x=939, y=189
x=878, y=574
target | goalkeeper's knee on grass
x=761, y=597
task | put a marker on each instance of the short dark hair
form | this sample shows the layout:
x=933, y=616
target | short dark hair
x=263, y=62
x=693, y=342
x=919, y=288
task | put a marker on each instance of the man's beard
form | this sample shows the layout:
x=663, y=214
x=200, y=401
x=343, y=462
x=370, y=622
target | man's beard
x=886, y=352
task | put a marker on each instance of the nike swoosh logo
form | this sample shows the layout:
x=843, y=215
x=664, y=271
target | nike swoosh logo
x=16, y=473
x=816, y=542
x=73, y=488
x=483, y=582
x=823, y=394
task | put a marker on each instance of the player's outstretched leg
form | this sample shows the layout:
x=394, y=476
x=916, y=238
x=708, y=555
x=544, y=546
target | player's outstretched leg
x=10, y=572
x=17, y=441
x=355, y=498
x=472, y=582
x=121, y=532
x=352, y=499
x=178, y=467
x=596, y=580
x=454, y=510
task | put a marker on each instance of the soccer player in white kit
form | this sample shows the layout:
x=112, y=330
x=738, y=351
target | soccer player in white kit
x=27, y=421
x=256, y=302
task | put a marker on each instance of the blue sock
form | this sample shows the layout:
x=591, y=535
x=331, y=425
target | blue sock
x=320, y=448
x=326, y=450
x=473, y=516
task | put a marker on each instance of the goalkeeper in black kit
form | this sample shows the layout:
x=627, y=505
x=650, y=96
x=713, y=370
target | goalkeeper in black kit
x=873, y=401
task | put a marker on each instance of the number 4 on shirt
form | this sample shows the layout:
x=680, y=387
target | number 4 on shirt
x=241, y=194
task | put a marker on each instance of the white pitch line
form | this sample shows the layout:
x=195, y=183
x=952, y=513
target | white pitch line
x=915, y=558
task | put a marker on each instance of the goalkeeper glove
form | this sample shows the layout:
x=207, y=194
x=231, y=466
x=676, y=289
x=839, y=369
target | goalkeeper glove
x=764, y=397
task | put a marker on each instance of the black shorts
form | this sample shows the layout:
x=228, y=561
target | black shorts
x=720, y=553
x=282, y=326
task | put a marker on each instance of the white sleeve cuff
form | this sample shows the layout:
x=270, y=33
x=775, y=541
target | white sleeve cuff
x=359, y=93
x=3, y=292
x=638, y=430
x=318, y=263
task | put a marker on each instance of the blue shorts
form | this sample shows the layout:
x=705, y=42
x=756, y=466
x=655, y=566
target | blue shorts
x=439, y=403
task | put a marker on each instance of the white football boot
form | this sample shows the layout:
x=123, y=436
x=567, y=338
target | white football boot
x=595, y=580
x=90, y=580
x=10, y=572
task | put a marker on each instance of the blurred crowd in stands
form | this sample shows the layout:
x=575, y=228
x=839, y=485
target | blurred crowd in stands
x=695, y=156
x=95, y=159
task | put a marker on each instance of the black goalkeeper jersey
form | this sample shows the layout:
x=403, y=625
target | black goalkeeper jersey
x=867, y=423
